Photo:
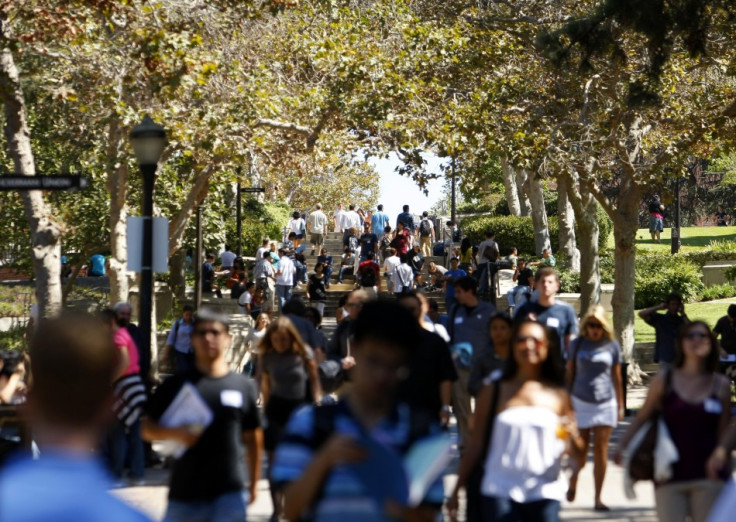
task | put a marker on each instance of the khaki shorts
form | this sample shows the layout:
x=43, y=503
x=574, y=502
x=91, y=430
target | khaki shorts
x=317, y=239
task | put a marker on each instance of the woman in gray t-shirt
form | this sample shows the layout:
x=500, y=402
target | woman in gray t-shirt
x=288, y=375
x=594, y=372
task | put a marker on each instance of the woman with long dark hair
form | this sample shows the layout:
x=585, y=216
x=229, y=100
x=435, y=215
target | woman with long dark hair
x=694, y=402
x=524, y=424
x=288, y=372
x=466, y=255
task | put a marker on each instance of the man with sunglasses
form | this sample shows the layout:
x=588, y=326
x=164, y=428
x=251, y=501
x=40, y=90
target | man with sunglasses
x=207, y=480
x=667, y=326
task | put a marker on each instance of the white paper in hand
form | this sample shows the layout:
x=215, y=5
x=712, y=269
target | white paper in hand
x=187, y=409
x=425, y=462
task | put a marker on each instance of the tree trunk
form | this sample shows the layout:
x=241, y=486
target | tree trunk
x=524, y=203
x=539, y=213
x=117, y=186
x=45, y=232
x=584, y=206
x=509, y=183
x=625, y=217
x=177, y=271
x=196, y=195
x=566, y=220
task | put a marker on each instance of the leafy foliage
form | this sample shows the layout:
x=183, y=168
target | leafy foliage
x=659, y=274
x=723, y=291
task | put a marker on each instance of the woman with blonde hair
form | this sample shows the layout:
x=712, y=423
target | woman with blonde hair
x=594, y=376
x=289, y=379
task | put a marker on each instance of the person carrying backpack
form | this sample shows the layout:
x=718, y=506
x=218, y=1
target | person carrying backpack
x=426, y=234
x=488, y=253
x=320, y=464
x=369, y=274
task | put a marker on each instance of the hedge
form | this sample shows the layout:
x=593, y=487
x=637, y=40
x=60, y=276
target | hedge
x=659, y=274
x=512, y=231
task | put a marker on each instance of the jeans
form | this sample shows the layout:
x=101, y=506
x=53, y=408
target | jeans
x=327, y=271
x=343, y=270
x=484, y=279
x=127, y=441
x=497, y=509
x=301, y=272
x=183, y=362
x=284, y=293
x=515, y=290
x=228, y=507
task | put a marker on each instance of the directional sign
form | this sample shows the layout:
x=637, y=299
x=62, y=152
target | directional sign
x=19, y=182
x=252, y=189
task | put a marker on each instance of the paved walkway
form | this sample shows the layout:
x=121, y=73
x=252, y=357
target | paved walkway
x=152, y=498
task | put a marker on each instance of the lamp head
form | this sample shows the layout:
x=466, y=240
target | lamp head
x=148, y=139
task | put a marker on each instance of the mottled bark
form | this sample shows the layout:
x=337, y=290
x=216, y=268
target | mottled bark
x=534, y=190
x=177, y=274
x=197, y=194
x=45, y=232
x=509, y=183
x=117, y=187
x=566, y=221
x=524, y=203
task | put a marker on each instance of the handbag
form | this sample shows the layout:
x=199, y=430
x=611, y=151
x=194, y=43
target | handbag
x=641, y=463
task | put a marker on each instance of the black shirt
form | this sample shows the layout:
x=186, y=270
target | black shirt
x=368, y=244
x=216, y=463
x=431, y=364
x=525, y=277
x=727, y=330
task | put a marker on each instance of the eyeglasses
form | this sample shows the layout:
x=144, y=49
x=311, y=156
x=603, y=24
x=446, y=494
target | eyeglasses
x=202, y=333
x=696, y=335
x=523, y=339
x=595, y=325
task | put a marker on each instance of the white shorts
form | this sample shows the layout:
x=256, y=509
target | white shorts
x=590, y=414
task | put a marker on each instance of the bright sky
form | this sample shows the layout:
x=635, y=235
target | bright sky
x=398, y=190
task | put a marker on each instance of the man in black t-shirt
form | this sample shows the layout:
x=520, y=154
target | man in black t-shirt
x=208, y=479
x=368, y=242
x=726, y=328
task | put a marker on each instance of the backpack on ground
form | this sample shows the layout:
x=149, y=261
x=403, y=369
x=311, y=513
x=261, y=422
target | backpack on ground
x=425, y=228
x=490, y=252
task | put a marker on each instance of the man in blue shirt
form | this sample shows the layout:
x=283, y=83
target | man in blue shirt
x=368, y=242
x=452, y=275
x=321, y=464
x=557, y=316
x=71, y=397
x=407, y=219
x=379, y=220
x=179, y=341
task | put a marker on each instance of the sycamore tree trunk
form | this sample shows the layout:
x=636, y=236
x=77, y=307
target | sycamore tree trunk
x=566, y=220
x=117, y=186
x=524, y=203
x=509, y=183
x=177, y=273
x=539, y=213
x=45, y=232
x=195, y=197
x=625, y=217
x=585, y=206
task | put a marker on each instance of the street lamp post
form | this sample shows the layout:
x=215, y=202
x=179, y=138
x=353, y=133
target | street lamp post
x=148, y=140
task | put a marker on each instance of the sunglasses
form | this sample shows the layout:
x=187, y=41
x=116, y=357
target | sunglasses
x=523, y=339
x=696, y=335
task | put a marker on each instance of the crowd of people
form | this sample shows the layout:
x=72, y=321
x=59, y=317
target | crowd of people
x=530, y=388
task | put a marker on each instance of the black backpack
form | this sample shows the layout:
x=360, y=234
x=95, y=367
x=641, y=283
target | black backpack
x=490, y=252
x=425, y=228
x=367, y=277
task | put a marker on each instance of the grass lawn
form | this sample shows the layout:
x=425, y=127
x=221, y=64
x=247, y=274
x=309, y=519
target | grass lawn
x=692, y=238
x=709, y=311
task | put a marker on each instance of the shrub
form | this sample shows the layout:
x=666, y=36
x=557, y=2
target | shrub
x=718, y=292
x=510, y=232
x=659, y=274
x=569, y=281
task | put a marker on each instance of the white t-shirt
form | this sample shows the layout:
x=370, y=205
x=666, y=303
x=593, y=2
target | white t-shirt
x=390, y=264
x=286, y=272
x=351, y=219
x=296, y=225
x=317, y=222
x=245, y=298
x=403, y=276
x=259, y=253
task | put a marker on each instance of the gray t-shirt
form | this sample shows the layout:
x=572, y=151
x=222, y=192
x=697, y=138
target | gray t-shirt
x=593, y=363
x=287, y=373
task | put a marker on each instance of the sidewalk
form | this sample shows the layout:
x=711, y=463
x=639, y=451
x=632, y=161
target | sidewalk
x=151, y=498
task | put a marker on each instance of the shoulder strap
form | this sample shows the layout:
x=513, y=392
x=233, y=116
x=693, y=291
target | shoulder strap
x=176, y=329
x=491, y=420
